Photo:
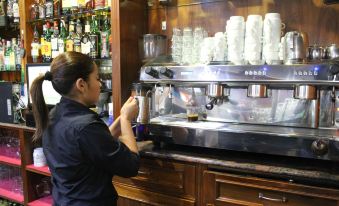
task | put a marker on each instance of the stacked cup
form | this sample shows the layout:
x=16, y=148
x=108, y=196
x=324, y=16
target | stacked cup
x=198, y=37
x=253, y=39
x=187, y=45
x=220, y=47
x=177, y=45
x=235, y=29
x=271, y=37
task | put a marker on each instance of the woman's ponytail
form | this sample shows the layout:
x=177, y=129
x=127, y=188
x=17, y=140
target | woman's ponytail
x=40, y=110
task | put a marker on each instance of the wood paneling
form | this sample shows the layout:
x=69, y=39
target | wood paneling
x=228, y=189
x=174, y=178
x=128, y=19
x=319, y=21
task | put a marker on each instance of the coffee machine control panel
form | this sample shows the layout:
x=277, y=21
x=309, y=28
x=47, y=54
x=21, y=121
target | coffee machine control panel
x=303, y=73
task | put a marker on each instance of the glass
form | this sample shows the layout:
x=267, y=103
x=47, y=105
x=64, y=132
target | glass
x=192, y=113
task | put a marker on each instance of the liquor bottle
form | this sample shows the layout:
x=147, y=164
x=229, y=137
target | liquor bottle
x=35, y=46
x=49, y=8
x=48, y=44
x=16, y=14
x=42, y=9
x=66, y=6
x=77, y=37
x=70, y=38
x=94, y=38
x=42, y=42
x=18, y=56
x=62, y=38
x=10, y=8
x=34, y=10
x=74, y=6
x=54, y=40
x=12, y=55
x=89, y=5
x=8, y=56
x=2, y=53
x=104, y=39
x=99, y=4
x=108, y=3
x=85, y=40
x=81, y=5
x=57, y=7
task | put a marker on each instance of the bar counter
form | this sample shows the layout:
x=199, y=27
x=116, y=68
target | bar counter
x=314, y=172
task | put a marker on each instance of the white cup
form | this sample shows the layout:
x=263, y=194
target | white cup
x=39, y=159
x=271, y=37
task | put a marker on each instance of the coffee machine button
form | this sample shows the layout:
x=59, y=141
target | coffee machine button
x=319, y=147
x=152, y=72
x=166, y=72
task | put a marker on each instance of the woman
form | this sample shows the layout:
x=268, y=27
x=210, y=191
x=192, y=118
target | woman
x=82, y=153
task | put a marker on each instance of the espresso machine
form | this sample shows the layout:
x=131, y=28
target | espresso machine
x=290, y=110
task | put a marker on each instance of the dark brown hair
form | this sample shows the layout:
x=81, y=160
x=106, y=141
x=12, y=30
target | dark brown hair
x=65, y=70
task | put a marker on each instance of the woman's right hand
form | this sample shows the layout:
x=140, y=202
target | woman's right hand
x=130, y=109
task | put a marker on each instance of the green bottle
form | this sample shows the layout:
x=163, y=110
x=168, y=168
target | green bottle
x=94, y=38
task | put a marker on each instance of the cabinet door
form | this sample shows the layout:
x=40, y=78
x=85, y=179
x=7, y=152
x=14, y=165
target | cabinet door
x=226, y=189
x=169, y=178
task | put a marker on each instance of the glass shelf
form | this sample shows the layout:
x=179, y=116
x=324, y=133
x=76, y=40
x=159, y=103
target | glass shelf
x=101, y=12
x=44, y=201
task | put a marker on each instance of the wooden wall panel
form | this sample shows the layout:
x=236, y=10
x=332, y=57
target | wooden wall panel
x=320, y=21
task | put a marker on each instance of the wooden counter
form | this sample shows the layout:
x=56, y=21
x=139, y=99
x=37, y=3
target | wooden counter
x=181, y=175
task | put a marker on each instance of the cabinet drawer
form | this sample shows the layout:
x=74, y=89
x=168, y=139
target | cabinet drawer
x=226, y=189
x=167, y=177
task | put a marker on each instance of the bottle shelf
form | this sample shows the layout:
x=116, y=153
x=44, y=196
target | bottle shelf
x=45, y=201
x=15, y=197
x=102, y=11
x=39, y=170
x=10, y=161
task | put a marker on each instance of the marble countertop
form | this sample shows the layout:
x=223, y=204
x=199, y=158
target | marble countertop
x=289, y=168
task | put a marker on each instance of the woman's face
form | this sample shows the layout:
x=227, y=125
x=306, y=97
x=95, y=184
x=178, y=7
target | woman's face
x=93, y=87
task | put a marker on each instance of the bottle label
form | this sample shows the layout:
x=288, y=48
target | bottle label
x=48, y=49
x=55, y=53
x=77, y=45
x=69, y=45
x=49, y=9
x=61, y=46
x=104, y=45
x=54, y=42
x=42, y=46
x=35, y=49
x=86, y=47
x=42, y=12
x=15, y=10
x=94, y=46
x=99, y=4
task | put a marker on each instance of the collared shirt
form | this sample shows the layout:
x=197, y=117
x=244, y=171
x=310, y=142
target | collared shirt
x=83, y=156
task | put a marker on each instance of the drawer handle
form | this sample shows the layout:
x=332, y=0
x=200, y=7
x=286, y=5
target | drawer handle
x=261, y=196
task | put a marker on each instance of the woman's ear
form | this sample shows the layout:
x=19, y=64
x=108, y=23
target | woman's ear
x=80, y=85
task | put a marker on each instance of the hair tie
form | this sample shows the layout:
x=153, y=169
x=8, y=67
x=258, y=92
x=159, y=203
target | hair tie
x=48, y=76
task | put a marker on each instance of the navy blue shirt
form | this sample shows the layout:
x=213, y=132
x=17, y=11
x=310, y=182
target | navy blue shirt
x=83, y=157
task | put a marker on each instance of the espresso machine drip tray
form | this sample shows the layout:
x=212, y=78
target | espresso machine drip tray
x=277, y=140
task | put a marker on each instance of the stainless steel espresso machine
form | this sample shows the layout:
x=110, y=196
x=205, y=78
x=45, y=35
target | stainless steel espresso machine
x=290, y=110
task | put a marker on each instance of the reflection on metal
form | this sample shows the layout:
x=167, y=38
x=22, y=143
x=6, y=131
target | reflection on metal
x=305, y=92
x=257, y=91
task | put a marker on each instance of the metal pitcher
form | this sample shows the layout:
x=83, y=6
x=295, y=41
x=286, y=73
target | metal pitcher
x=143, y=94
x=294, y=48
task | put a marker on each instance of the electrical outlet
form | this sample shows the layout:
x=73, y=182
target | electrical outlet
x=163, y=25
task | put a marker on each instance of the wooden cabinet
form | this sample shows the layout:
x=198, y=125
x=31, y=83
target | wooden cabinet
x=159, y=182
x=229, y=189
x=163, y=182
